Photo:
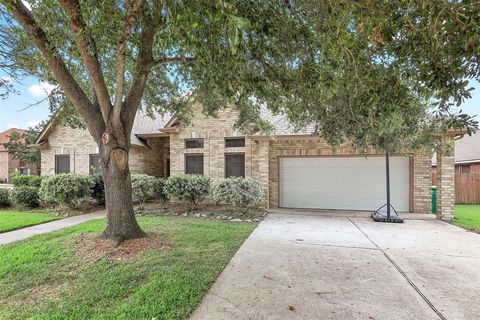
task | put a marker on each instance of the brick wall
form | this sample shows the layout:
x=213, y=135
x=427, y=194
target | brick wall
x=213, y=131
x=314, y=146
x=446, y=186
x=3, y=166
x=79, y=144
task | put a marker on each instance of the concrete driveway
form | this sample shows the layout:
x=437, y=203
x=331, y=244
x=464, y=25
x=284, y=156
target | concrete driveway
x=298, y=266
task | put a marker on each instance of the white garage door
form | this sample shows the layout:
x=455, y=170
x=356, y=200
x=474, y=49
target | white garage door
x=355, y=183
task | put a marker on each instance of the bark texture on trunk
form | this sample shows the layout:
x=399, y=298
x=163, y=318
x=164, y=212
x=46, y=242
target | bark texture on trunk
x=121, y=222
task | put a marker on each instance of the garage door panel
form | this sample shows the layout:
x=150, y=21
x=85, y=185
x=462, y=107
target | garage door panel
x=355, y=183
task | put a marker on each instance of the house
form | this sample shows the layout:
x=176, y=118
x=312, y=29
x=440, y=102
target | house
x=298, y=169
x=9, y=164
x=467, y=169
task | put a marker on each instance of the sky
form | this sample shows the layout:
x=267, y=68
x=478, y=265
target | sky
x=14, y=115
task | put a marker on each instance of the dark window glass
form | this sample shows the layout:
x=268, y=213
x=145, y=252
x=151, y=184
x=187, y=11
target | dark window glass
x=465, y=168
x=94, y=163
x=234, y=165
x=194, y=164
x=234, y=142
x=62, y=163
x=193, y=143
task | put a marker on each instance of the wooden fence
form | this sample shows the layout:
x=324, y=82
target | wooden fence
x=467, y=187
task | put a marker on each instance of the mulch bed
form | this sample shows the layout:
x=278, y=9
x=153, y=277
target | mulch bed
x=92, y=248
x=203, y=210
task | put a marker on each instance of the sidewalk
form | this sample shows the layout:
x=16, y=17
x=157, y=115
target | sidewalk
x=20, y=234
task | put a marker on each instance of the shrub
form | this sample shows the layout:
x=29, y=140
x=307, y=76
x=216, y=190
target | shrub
x=145, y=187
x=24, y=197
x=98, y=188
x=186, y=187
x=22, y=180
x=69, y=189
x=238, y=192
x=4, y=194
x=160, y=190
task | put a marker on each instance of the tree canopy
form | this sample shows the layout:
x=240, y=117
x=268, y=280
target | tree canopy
x=365, y=71
x=17, y=146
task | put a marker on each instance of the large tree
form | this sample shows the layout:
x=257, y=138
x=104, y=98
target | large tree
x=381, y=74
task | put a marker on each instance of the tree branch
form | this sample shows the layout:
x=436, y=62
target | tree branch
x=167, y=60
x=122, y=45
x=140, y=76
x=58, y=68
x=86, y=45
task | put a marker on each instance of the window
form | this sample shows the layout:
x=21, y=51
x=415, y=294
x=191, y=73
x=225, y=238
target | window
x=234, y=142
x=62, y=163
x=464, y=168
x=235, y=165
x=94, y=163
x=193, y=143
x=194, y=164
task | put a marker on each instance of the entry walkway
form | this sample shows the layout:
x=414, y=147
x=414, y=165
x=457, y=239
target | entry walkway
x=20, y=234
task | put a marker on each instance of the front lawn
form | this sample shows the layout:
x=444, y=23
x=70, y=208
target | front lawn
x=15, y=219
x=62, y=276
x=468, y=216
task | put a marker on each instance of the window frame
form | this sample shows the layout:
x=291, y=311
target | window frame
x=234, y=139
x=58, y=156
x=194, y=155
x=200, y=140
x=90, y=156
x=225, y=164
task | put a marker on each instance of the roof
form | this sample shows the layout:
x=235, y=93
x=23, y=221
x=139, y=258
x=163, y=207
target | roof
x=5, y=136
x=281, y=125
x=143, y=124
x=467, y=149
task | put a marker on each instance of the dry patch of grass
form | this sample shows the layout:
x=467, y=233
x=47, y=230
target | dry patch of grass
x=92, y=248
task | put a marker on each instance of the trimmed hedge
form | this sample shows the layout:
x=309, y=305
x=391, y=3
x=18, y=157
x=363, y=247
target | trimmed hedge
x=238, y=192
x=24, y=197
x=22, y=180
x=4, y=197
x=145, y=187
x=188, y=187
x=69, y=189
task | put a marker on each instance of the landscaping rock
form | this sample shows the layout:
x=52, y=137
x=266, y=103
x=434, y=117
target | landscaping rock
x=236, y=220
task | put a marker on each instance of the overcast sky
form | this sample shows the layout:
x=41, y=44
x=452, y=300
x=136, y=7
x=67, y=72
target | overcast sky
x=31, y=91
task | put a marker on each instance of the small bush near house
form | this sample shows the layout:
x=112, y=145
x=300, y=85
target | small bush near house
x=69, y=189
x=98, y=188
x=22, y=180
x=4, y=194
x=24, y=197
x=187, y=187
x=145, y=187
x=238, y=192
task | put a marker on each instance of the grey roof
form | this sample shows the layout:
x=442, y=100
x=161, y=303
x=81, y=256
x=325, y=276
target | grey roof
x=144, y=123
x=281, y=124
x=467, y=149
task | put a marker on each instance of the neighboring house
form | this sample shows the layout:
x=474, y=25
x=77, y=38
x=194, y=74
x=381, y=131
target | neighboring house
x=297, y=169
x=8, y=164
x=467, y=169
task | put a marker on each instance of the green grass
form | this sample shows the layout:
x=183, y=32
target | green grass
x=44, y=278
x=14, y=219
x=468, y=216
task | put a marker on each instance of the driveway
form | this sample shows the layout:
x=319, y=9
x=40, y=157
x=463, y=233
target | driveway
x=299, y=266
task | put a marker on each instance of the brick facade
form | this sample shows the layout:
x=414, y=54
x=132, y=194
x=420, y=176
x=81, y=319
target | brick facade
x=261, y=154
x=446, y=184
x=79, y=144
x=213, y=131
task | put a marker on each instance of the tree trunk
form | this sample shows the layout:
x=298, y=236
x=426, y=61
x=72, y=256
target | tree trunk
x=121, y=222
